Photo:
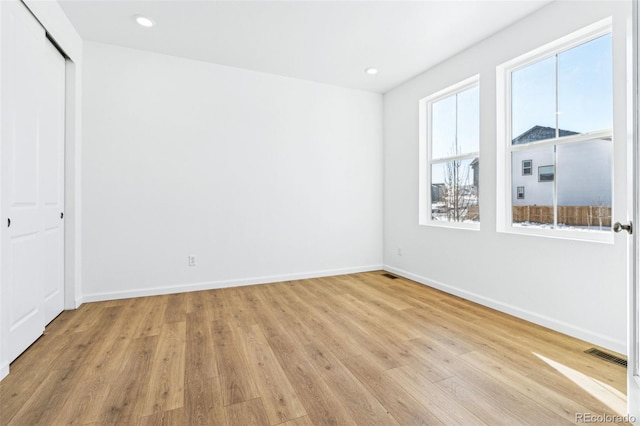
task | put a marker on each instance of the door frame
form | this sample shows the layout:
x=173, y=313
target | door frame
x=633, y=277
x=62, y=34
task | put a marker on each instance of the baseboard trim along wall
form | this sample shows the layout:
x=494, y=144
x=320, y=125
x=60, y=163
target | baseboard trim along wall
x=4, y=370
x=551, y=323
x=212, y=285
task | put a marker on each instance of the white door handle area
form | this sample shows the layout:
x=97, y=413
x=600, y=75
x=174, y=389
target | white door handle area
x=618, y=227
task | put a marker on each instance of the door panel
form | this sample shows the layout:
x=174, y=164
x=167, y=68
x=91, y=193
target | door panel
x=25, y=316
x=51, y=178
x=52, y=269
x=32, y=125
x=25, y=41
x=22, y=45
x=25, y=278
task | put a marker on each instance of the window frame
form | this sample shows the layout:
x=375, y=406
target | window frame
x=504, y=219
x=520, y=193
x=530, y=167
x=425, y=160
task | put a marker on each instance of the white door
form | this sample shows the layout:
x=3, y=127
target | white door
x=51, y=170
x=32, y=178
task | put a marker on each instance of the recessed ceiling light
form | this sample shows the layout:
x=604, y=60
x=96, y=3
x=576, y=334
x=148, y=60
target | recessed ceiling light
x=371, y=71
x=144, y=21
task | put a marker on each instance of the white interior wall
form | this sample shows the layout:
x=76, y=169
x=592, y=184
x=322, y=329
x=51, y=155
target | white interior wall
x=575, y=287
x=262, y=178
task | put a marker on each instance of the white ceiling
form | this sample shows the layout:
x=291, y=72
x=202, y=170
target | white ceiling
x=324, y=41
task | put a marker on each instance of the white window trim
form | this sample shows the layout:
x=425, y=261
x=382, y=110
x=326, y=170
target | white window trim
x=424, y=135
x=503, y=132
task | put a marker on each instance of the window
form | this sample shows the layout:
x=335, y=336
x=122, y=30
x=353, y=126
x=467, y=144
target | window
x=545, y=174
x=450, y=162
x=558, y=112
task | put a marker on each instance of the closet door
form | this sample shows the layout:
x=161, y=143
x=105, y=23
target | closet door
x=51, y=170
x=32, y=176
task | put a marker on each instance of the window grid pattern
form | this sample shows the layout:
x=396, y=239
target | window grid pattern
x=554, y=144
x=453, y=155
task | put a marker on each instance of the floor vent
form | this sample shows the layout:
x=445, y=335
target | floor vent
x=607, y=357
x=391, y=277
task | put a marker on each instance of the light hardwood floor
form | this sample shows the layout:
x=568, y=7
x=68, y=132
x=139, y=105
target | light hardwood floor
x=353, y=349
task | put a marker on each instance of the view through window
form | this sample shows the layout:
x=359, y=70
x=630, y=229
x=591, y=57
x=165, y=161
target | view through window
x=453, y=155
x=561, y=128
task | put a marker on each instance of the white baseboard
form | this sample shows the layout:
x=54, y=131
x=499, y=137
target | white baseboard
x=212, y=285
x=4, y=370
x=75, y=304
x=551, y=323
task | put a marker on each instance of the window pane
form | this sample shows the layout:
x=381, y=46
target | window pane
x=454, y=191
x=469, y=121
x=536, y=209
x=584, y=185
x=443, y=128
x=533, y=102
x=585, y=93
x=546, y=173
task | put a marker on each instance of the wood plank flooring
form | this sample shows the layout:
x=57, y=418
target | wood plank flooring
x=355, y=349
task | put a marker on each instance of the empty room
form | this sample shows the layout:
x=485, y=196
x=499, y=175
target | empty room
x=319, y=212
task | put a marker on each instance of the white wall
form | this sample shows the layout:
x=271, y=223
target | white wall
x=576, y=287
x=263, y=178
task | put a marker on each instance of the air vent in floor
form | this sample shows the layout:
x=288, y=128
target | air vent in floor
x=391, y=277
x=607, y=357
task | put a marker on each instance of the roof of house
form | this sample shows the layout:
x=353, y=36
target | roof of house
x=538, y=133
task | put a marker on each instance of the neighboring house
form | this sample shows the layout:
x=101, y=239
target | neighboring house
x=475, y=166
x=538, y=133
x=437, y=192
x=583, y=176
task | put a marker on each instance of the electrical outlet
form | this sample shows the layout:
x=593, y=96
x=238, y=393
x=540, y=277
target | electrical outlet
x=191, y=260
x=399, y=251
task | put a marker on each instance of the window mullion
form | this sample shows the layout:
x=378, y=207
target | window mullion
x=555, y=151
x=457, y=148
x=555, y=187
x=468, y=156
x=582, y=137
x=556, y=102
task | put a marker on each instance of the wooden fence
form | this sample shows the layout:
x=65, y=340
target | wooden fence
x=567, y=215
